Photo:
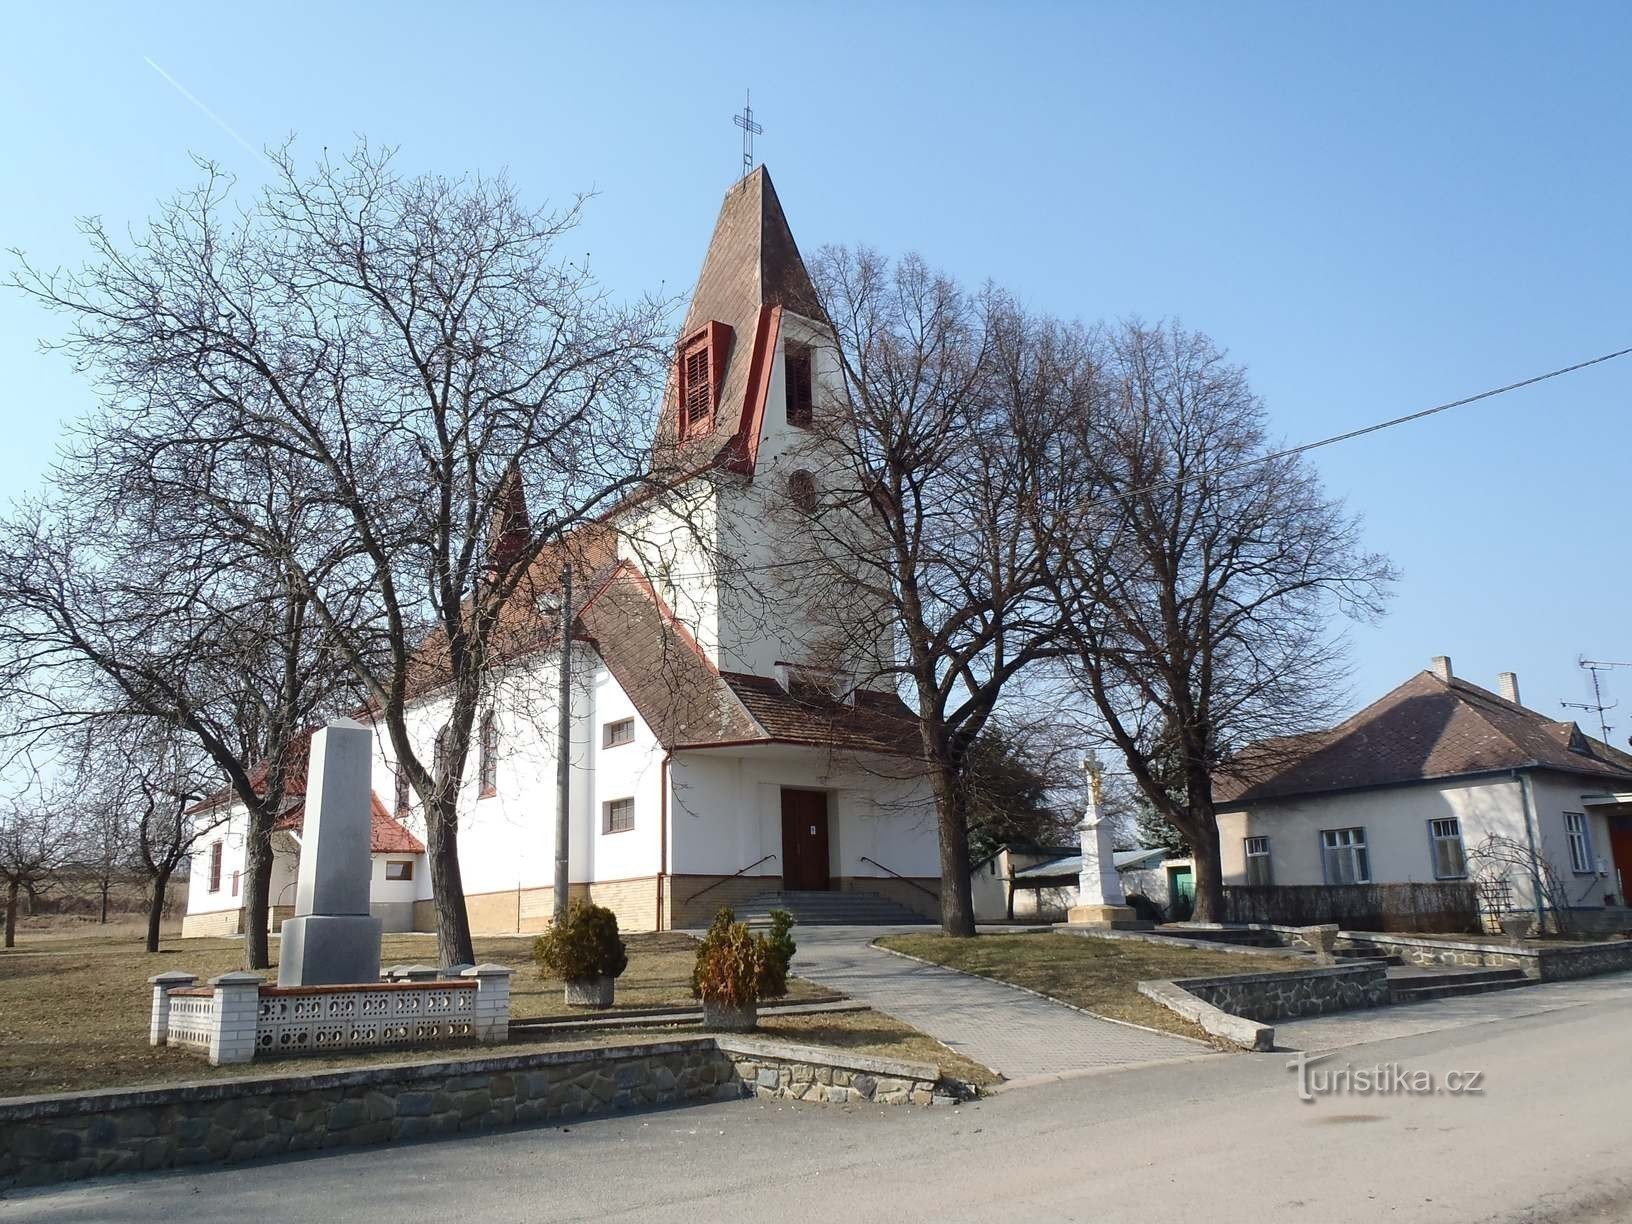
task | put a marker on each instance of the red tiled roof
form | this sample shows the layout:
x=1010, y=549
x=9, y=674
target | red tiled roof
x=687, y=703
x=1425, y=728
x=387, y=835
x=876, y=722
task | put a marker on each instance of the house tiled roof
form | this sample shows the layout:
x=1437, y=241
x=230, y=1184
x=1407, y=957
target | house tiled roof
x=1426, y=728
x=387, y=835
x=654, y=659
x=688, y=703
x=876, y=722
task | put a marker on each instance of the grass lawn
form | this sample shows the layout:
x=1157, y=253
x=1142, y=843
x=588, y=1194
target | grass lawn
x=1097, y=974
x=74, y=1008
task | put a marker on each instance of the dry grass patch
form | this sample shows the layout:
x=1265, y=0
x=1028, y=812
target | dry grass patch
x=1101, y=975
x=74, y=1008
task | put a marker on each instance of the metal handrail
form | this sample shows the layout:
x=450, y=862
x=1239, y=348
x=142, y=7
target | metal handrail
x=732, y=876
x=906, y=879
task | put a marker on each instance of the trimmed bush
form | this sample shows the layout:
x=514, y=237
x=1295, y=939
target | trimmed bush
x=586, y=945
x=738, y=969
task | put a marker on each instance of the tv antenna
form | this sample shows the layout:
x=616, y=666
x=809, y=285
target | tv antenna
x=1597, y=705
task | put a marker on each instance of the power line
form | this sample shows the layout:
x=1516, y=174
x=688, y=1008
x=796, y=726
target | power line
x=1259, y=461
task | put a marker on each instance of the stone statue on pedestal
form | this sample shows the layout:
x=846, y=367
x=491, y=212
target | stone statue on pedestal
x=1099, y=888
x=332, y=940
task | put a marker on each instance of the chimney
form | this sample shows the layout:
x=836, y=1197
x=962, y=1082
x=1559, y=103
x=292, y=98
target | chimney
x=1440, y=665
x=1507, y=684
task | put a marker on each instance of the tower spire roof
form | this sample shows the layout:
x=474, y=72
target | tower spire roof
x=751, y=273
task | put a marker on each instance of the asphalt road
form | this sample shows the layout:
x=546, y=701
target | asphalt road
x=1213, y=1138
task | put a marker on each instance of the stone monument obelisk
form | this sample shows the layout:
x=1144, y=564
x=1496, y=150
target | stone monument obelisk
x=1099, y=889
x=332, y=939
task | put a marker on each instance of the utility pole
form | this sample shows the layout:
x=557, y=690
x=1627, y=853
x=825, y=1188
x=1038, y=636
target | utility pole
x=563, y=748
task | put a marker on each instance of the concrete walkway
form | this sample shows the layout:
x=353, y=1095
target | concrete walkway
x=1020, y=1035
x=1437, y=1015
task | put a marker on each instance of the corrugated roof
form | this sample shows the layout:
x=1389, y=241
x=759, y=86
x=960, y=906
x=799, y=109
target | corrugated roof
x=1426, y=728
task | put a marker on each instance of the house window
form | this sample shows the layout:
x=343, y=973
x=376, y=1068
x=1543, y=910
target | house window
x=1343, y=853
x=1575, y=825
x=215, y=866
x=490, y=755
x=403, y=870
x=617, y=816
x=403, y=792
x=235, y=883
x=1445, y=836
x=696, y=390
x=798, y=386
x=616, y=733
x=1257, y=860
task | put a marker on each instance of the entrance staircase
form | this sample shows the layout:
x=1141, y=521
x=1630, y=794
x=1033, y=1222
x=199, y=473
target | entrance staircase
x=829, y=909
x=1428, y=984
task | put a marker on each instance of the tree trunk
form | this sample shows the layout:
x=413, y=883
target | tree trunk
x=106, y=884
x=155, y=909
x=1207, y=871
x=453, y=944
x=257, y=884
x=957, y=900
x=11, y=915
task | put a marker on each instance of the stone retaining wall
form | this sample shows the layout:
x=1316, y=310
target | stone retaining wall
x=75, y=1135
x=1271, y=997
x=1545, y=963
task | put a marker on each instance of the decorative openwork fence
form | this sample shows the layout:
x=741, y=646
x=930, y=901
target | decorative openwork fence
x=237, y=1018
x=1448, y=907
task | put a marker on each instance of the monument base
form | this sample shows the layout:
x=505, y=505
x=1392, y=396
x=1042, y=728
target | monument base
x=1113, y=917
x=329, y=950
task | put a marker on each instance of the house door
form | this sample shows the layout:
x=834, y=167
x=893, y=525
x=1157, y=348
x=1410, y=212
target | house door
x=1620, y=849
x=804, y=840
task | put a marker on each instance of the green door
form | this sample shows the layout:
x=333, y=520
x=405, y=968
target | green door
x=1181, y=886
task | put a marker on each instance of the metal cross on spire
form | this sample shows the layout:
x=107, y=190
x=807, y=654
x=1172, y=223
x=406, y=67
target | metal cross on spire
x=750, y=129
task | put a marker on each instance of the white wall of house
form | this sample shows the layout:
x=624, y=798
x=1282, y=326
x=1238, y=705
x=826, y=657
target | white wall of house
x=1396, y=820
x=726, y=812
x=230, y=835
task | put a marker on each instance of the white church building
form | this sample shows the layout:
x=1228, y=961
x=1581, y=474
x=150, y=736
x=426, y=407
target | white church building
x=726, y=744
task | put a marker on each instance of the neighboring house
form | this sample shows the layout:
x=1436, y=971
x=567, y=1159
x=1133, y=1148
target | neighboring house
x=722, y=746
x=1406, y=788
x=215, y=900
x=1030, y=883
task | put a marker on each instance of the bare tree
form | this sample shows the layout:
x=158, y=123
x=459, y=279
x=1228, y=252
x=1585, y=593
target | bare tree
x=457, y=402
x=128, y=602
x=1195, y=586
x=921, y=520
x=37, y=839
x=143, y=780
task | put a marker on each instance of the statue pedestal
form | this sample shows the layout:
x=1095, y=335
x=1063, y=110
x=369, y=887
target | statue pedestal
x=1111, y=917
x=329, y=950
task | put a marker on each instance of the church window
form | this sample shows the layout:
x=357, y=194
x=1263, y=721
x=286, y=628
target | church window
x=403, y=870
x=215, y=866
x=616, y=733
x=618, y=816
x=702, y=364
x=802, y=489
x=235, y=883
x=489, y=755
x=798, y=387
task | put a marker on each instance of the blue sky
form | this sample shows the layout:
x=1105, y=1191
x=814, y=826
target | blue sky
x=1375, y=208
